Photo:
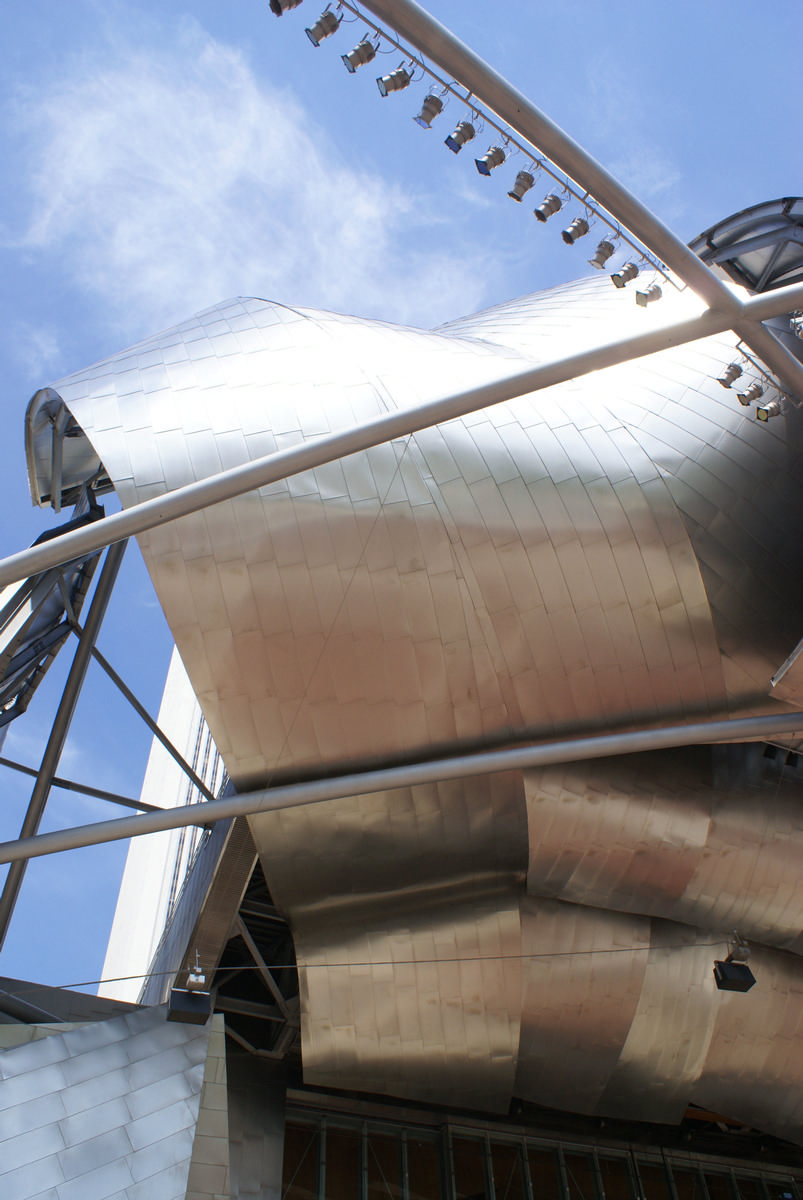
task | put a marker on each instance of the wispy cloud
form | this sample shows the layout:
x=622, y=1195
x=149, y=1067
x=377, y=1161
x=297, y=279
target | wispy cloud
x=169, y=178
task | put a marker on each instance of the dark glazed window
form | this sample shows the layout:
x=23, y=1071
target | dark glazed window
x=616, y=1180
x=469, y=1177
x=342, y=1164
x=654, y=1180
x=544, y=1175
x=383, y=1161
x=580, y=1174
x=423, y=1168
x=688, y=1184
x=506, y=1161
x=300, y=1168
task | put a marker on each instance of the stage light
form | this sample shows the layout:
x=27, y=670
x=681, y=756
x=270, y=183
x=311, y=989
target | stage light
x=754, y=392
x=462, y=134
x=552, y=204
x=648, y=296
x=729, y=375
x=733, y=974
x=359, y=56
x=772, y=409
x=577, y=229
x=601, y=255
x=396, y=81
x=491, y=159
x=327, y=24
x=283, y=6
x=524, y=181
x=620, y=278
x=430, y=109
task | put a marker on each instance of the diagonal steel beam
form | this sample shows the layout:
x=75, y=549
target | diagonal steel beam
x=70, y=785
x=60, y=729
x=262, y=968
x=518, y=758
x=150, y=514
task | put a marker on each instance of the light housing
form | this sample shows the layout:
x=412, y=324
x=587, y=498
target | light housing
x=327, y=24
x=577, y=229
x=458, y=138
x=396, y=81
x=729, y=375
x=648, y=296
x=490, y=160
x=524, y=181
x=754, y=392
x=623, y=276
x=550, y=205
x=430, y=109
x=601, y=255
x=773, y=408
x=362, y=53
x=282, y=6
x=733, y=976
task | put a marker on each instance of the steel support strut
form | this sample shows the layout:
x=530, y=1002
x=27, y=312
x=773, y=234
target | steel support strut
x=519, y=758
x=61, y=726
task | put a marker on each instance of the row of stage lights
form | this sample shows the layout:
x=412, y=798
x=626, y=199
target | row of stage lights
x=365, y=51
x=753, y=392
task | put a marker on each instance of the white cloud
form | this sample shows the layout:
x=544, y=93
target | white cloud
x=168, y=179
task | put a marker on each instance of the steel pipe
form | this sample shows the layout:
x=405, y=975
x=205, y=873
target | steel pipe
x=318, y=451
x=457, y=61
x=465, y=766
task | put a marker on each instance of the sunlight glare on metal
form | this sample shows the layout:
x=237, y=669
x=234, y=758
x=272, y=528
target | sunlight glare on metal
x=577, y=229
x=601, y=255
x=648, y=296
x=622, y=277
x=524, y=181
x=430, y=109
x=491, y=159
x=396, y=81
x=327, y=24
x=458, y=138
x=362, y=53
x=552, y=204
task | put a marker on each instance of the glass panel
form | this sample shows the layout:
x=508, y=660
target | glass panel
x=580, y=1174
x=423, y=1168
x=616, y=1180
x=654, y=1182
x=781, y=1189
x=719, y=1187
x=383, y=1166
x=342, y=1164
x=506, y=1161
x=544, y=1175
x=300, y=1168
x=469, y=1177
x=750, y=1187
x=688, y=1184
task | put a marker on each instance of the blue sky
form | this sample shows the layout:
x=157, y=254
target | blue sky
x=160, y=159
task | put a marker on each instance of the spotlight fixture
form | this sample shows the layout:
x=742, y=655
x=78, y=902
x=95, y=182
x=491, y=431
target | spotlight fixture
x=601, y=255
x=492, y=158
x=327, y=24
x=648, y=296
x=754, y=392
x=729, y=375
x=577, y=229
x=430, y=109
x=462, y=134
x=362, y=53
x=282, y=6
x=733, y=974
x=773, y=408
x=547, y=207
x=524, y=181
x=396, y=81
x=620, y=278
